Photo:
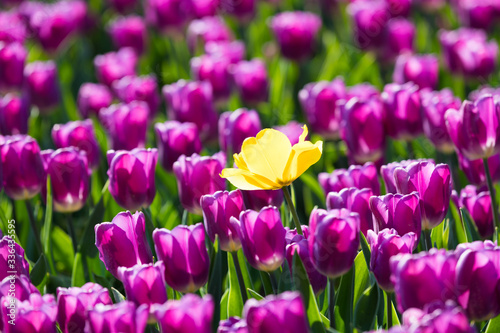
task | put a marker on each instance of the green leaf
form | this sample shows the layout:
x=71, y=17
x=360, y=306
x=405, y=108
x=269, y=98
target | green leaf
x=493, y=325
x=78, y=275
x=223, y=305
x=285, y=283
x=217, y=275
x=39, y=271
x=437, y=236
x=312, y=183
x=457, y=233
x=255, y=294
x=366, y=248
x=344, y=302
x=117, y=295
x=62, y=249
x=362, y=278
x=48, y=226
x=471, y=232
x=266, y=283
x=366, y=309
x=235, y=301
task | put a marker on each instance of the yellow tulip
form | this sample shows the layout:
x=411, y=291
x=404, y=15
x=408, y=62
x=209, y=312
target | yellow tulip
x=270, y=162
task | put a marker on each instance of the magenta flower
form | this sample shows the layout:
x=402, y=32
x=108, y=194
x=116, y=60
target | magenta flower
x=43, y=84
x=474, y=170
x=251, y=81
x=207, y=29
x=233, y=325
x=387, y=173
x=370, y=20
x=476, y=15
x=12, y=60
x=14, y=114
x=21, y=264
x=22, y=290
x=235, y=127
x=356, y=201
x=420, y=69
x=115, y=65
x=129, y=31
x=123, y=6
x=478, y=204
x=359, y=176
x=399, y=35
x=167, y=15
x=203, y=8
x=37, y=314
x=12, y=26
x=258, y=199
x=92, y=97
x=243, y=10
x=138, y=88
x=144, y=284
x=293, y=130
x=215, y=70
x=232, y=50
x=120, y=317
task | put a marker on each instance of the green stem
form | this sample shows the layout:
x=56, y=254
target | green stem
x=274, y=283
x=389, y=309
x=34, y=227
x=331, y=305
x=291, y=207
x=185, y=217
x=48, y=228
x=241, y=282
x=428, y=241
x=72, y=234
x=492, y=193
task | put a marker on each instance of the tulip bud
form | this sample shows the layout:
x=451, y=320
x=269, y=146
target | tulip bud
x=115, y=65
x=234, y=51
x=251, y=81
x=295, y=33
x=258, y=199
x=92, y=97
x=319, y=102
x=478, y=204
x=334, y=240
x=183, y=251
x=293, y=130
x=424, y=278
x=129, y=31
x=167, y=15
x=73, y=304
x=479, y=15
x=203, y=8
x=387, y=173
x=467, y=52
x=14, y=114
x=402, y=110
x=144, y=284
x=385, y=245
x=9, y=248
x=285, y=311
x=36, y=315
x=78, y=134
x=235, y=127
x=127, y=124
x=189, y=314
x=69, y=177
x=358, y=176
x=175, y=139
x=12, y=59
x=213, y=69
x=138, y=88
x=43, y=85
x=399, y=36
x=243, y=10
x=362, y=129
x=356, y=201
x=120, y=317
x=448, y=318
x=122, y=242
x=233, y=325
x=252, y=228
x=363, y=92
x=474, y=170
x=474, y=128
x=22, y=290
x=12, y=26
x=131, y=177
x=433, y=184
x=420, y=69
x=22, y=167
x=370, y=20
x=196, y=176
x=207, y=29
x=191, y=101
x=217, y=212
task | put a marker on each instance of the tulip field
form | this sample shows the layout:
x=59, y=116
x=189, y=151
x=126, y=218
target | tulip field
x=249, y=166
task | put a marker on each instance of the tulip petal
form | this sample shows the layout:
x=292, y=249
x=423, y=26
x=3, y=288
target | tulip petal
x=246, y=180
x=303, y=155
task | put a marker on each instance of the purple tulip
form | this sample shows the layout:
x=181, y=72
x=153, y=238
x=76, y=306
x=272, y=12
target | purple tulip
x=22, y=289
x=434, y=106
x=359, y=176
x=92, y=97
x=144, y=284
x=12, y=59
x=175, y=139
x=420, y=69
x=478, y=204
x=243, y=10
x=120, y=317
x=362, y=91
x=189, y=314
x=433, y=184
x=78, y=134
x=483, y=90
x=370, y=20
x=43, y=85
x=183, y=251
x=196, y=176
x=9, y=247
x=296, y=33
x=258, y=199
x=474, y=170
x=467, y=52
x=129, y=31
x=36, y=315
x=251, y=81
x=402, y=110
x=127, y=124
x=356, y=201
x=319, y=102
x=12, y=27
x=297, y=244
x=387, y=173
x=122, y=242
x=448, y=318
x=333, y=240
x=191, y=101
x=68, y=169
x=424, y=278
x=293, y=130
x=207, y=29
x=167, y=15
x=233, y=325
x=235, y=127
x=14, y=114
x=203, y=8
x=131, y=177
x=138, y=88
x=399, y=36
x=475, y=127
x=263, y=238
x=385, y=245
x=285, y=312
x=74, y=302
x=115, y=65
x=479, y=15
x=215, y=70
x=22, y=167
x=234, y=51
x=362, y=129
x=122, y=6
x=217, y=212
